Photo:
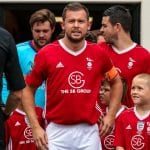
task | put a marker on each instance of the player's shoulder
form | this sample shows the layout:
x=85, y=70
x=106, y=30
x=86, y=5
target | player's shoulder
x=50, y=47
x=23, y=46
x=96, y=48
x=26, y=43
x=127, y=112
x=14, y=115
x=91, y=44
x=142, y=49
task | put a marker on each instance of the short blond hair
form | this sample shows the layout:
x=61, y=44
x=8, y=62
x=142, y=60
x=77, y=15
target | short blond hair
x=144, y=76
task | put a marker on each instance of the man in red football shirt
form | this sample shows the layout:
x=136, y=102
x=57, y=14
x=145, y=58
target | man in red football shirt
x=72, y=69
x=133, y=126
x=128, y=57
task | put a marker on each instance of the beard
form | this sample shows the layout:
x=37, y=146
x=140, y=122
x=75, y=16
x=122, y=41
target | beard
x=75, y=40
x=39, y=44
x=111, y=39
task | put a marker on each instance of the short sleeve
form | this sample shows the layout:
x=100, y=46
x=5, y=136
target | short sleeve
x=39, y=72
x=119, y=141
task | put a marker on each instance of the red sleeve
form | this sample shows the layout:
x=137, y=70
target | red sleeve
x=38, y=73
x=109, y=70
x=104, y=46
x=39, y=112
x=119, y=137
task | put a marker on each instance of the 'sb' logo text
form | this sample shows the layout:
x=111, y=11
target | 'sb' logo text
x=76, y=80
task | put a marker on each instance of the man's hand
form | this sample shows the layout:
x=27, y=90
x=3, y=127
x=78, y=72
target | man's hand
x=40, y=138
x=107, y=123
x=5, y=116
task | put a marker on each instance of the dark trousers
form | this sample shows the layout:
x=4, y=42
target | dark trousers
x=2, y=131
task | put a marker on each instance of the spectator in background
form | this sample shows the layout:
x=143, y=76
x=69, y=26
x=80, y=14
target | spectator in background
x=127, y=56
x=90, y=36
x=133, y=126
x=100, y=38
x=42, y=23
x=9, y=65
x=72, y=68
x=60, y=35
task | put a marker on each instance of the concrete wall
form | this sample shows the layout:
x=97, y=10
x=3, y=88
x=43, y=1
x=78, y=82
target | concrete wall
x=145, y=24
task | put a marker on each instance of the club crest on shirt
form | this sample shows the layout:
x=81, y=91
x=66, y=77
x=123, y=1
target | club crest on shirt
x=131, y=63
x=89, y=63
x=140, y=126
x=26, y=120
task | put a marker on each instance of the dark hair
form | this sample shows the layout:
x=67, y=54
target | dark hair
x=60, y=35
x=90, y=36
x=119, y=14
x=75, y=6
x=125, y=87
x=42, y=16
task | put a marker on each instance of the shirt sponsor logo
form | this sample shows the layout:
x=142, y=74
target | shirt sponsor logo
x=28, y=133
x=108, y=142
x=76, y=79
x=137, y=142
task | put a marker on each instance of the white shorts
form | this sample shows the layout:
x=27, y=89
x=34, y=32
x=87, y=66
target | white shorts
x=73, y=137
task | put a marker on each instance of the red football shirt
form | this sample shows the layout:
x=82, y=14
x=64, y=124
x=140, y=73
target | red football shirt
x=18, y=131
x=129, y=62
x=108, y=140
x=72, y=81
x=132, y=132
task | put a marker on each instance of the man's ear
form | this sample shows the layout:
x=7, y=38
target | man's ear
x=118, y=26
x=89, y=25
x=53, y=29
x=62, y=25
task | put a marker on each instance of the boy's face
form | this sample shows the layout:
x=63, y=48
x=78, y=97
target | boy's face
x=140, y=91
x=104, y=94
